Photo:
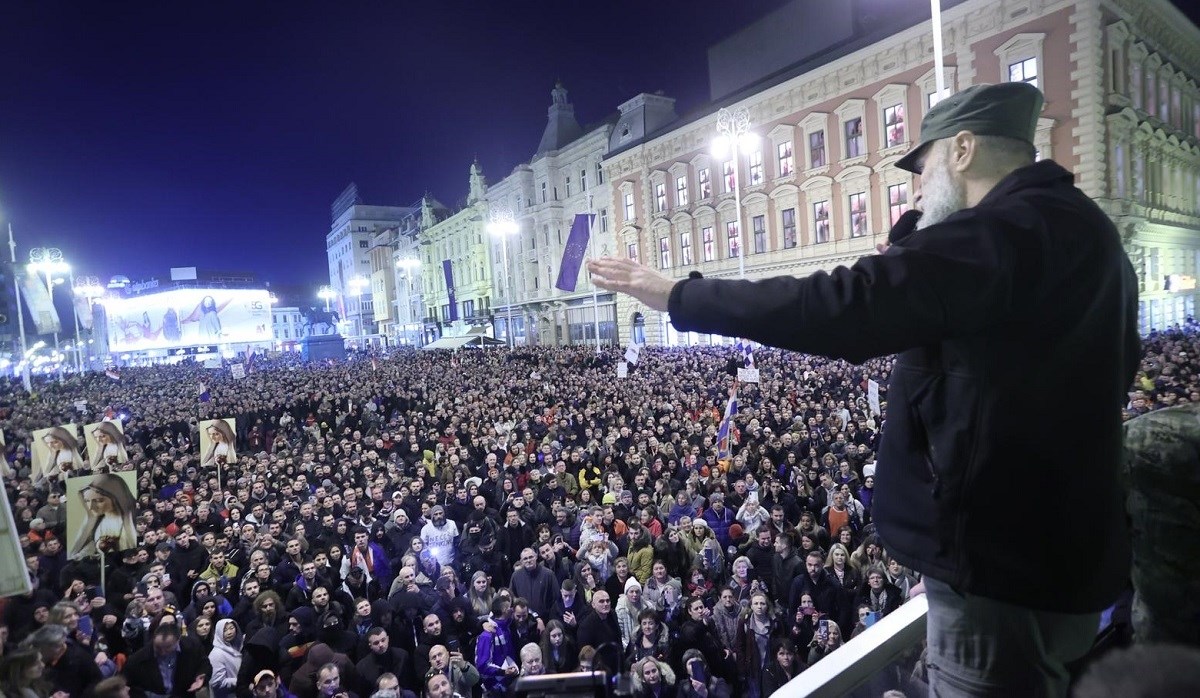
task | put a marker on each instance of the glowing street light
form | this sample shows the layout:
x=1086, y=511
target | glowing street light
x=326, y=294
x=503, y=224
x=734, y=129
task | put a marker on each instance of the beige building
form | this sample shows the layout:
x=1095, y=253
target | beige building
x=820, y=189
x=459, y=238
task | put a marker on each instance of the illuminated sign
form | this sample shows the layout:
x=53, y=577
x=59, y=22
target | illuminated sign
x=187, y=318
x=1180, y=282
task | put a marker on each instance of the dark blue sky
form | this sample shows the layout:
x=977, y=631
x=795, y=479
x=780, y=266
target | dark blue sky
x=142, y=135
x=138, y=136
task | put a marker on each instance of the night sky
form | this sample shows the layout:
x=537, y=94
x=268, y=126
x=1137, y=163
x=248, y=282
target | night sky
x=142, y=135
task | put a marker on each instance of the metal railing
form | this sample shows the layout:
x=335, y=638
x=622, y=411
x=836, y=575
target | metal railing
x=859, y=660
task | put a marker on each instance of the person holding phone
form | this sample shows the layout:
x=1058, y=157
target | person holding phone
x=827, y=639
x=700, y=682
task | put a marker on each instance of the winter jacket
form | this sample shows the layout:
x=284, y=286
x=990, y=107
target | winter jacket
x=226, y=660
x=1025, y=297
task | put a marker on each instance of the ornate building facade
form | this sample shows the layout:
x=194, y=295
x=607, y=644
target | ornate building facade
x=820, y=188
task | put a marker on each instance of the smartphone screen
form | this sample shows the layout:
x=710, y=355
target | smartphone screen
x=823, y=626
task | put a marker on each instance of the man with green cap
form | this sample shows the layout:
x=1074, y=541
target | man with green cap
x=1009, y=289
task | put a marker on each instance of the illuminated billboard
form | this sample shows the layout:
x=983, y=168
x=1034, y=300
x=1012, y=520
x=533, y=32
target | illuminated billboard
x=187, y=317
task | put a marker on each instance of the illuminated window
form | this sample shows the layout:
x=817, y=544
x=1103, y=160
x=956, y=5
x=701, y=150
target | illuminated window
x=854, y=137
x=756, y=168
x=708, y=242
x=705, y=183
x=787, y=162
x=858, y=214
x=788, y=216
x=821, y=221
x=758, y=225
x=727, y=173
x=664, y=253
x=1025, y=70
x=681, y=192
x=660, y=197
x=897, y=201
x=893, y=123
x=816, y=149
x=685, y=248
x=733, y=235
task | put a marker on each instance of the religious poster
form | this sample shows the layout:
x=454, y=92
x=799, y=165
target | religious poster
x=218, y=442
x=100, y=510
x=105, y=444
x=56, y=452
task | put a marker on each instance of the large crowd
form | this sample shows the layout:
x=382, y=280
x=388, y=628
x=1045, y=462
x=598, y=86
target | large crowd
x=441, y=524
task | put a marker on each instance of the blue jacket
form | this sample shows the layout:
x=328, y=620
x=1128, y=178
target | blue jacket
x=491, y=649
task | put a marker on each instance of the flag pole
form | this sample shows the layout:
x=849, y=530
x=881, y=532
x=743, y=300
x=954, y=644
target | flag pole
x=595, y=297
x=12, y=250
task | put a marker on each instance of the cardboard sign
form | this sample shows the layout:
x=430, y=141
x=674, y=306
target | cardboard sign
x=873, y=397
x=748, y=375
x=622, y=370
x=238, y=371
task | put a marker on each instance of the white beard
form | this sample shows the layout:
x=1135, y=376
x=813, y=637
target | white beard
x=941, y=195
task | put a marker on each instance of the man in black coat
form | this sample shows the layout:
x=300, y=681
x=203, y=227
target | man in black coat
x=600, y=626
x=381, y=659
x=1009, y=289
x=816, y=583
x=535, y=584
x=69, y=667
x=187, y=665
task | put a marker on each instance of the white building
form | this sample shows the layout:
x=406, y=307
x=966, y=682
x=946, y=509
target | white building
x=348, y=250
x=287, y=327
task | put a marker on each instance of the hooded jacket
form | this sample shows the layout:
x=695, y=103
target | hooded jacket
x=226, y=660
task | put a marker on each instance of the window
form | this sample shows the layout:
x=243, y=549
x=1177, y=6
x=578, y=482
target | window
x=858, y=214
x=728, y=174
x=733, y=235
x=446, y=312
x=681, y=193
x=893, y=122
x=568, y=183
x=708, y=243
x=362, y=244
x=631, y=251
x=756, y=168
x=705, y=183
x=788, y=217
x=468, y=308
x=816, y=149
x=758, y=225
x=821, y=221
x=897, y=201
x=1025, y=70
x=685, y=248
x=286, y=333
x=664, y=253
x=854, y=137
x=628, y=207
x=543, y=192
x=583, y=179
x=604, y=220
x=599, y=173
x=660, y=197
x=787, y=163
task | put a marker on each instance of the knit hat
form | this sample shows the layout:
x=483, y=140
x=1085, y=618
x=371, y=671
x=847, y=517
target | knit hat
x=609, y=498
x=699, y=522
x=633, y=583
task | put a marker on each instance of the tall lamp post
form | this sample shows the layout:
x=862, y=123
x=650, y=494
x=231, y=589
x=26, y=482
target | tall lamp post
x=88, y=288
x=733, y=127
x=326, y=294
x=48, y=261
x=503, y=224
x=359, y=284
x=409, y=265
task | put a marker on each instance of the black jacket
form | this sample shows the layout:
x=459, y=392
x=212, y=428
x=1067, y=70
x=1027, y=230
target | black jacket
x=141, y=670
x=1013, y=304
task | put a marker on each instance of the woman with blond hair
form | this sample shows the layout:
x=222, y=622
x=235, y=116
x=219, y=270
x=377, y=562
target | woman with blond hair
x=848, y=579
x=653, y=679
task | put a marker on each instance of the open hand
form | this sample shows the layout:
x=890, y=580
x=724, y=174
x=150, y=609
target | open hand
x=627, y=276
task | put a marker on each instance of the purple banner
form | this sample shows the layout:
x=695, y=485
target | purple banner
x=574, y=251
x=449, y=272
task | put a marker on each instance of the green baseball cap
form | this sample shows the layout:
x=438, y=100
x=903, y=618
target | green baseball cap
x=1009, y=109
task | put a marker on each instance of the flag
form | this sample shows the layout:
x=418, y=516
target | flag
x=374, y=364
x=249, y=362
x=724, y=433
x=746, y=349
x=113, y=373
x=873, y=397
x=205, y=396
x=574, y=251
x=448, y=270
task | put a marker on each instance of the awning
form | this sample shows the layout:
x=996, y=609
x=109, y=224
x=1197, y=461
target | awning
x=464, y=341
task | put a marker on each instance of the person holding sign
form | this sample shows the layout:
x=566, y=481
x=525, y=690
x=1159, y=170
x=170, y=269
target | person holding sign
x=62, y=456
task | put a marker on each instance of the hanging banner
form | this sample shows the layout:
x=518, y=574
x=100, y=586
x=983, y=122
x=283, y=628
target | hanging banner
x=100, y=511
x=41, y=307
x=448, y=270
x=105, y=444
x=83, y=310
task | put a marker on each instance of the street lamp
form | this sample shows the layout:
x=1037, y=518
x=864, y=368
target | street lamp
x=409, y=265
x=734, y=129
x=503, y=224
x=48, y=261
x=938, y=62
x=89, y=289
x=326, y=294
x=358, y=284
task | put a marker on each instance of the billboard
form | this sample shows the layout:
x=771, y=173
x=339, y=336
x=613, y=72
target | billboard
x=186, y=317
x=100, y=511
